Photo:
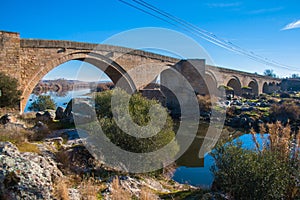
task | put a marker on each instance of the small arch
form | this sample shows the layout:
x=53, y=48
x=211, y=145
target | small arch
x=236, y=85
x=254, y=86
x=265, y=88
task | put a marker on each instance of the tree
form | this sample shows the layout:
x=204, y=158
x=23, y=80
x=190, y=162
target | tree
x=43, y=103
x=10, y=95
x=269, y=72
x=295, y=76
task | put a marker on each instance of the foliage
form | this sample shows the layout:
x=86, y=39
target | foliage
x=10, y=95
x=295, y=76
x=285, y=95
x=205, y=102
x=288, y=110
x=139, y=108
x=43, y=103
x=271, y=171
x=270, y=72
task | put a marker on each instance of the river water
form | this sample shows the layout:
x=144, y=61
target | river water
x=191, y=169
x=60, y=98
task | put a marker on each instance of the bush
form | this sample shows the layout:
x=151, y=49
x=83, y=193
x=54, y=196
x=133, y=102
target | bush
x=285, y=95
x=43, y=103
x=269, y=172
x=285, y=111
x=10, y=95
x=139, y=112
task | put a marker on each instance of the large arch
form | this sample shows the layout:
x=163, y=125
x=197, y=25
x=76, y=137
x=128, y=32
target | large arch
x=235, y=83
x=254, y=86
x=112, y=69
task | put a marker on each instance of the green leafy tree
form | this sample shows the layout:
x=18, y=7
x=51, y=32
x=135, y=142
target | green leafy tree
x=270, y=72
x=10, y=95
x=295, y=76
x=42, y=103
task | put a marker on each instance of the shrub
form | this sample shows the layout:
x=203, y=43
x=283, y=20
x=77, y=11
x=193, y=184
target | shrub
x=139, y=112
x=269, y=172
x=205, y=103
x=285, y=111
x=43, y=103
x=285, y=95
x=10, y=95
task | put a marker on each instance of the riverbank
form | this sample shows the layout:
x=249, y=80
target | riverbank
x=37, y=163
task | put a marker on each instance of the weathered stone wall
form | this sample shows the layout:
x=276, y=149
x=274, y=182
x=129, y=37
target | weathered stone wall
x=9, y=53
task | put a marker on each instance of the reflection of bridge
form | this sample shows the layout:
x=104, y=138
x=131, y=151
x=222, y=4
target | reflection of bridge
x=30, y=60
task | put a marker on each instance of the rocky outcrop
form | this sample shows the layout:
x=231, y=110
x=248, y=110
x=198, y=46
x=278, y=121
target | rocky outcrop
x=26, y=175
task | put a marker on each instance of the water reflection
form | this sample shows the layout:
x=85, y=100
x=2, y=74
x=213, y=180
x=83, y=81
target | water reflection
x=61, y=98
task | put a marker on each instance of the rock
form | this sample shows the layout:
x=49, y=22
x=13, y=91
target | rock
x=59, y=113
x=26, y=175
x=41, y=127
x=74, y=194
x=81, y=110
x=59, y=140
x=7, y=118
x=15, y=126
x=47, y=116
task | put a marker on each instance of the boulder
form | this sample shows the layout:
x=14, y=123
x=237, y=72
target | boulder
x=59, y=113
x=81, y=110
x=7, y=118
x=26, y=175
x=46, y=116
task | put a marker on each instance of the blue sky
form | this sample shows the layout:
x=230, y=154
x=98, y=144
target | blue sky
x=269, y=28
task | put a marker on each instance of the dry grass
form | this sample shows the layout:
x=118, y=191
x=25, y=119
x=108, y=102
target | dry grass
x=146, y=194
x=89, y=189
x=285, y=111
x=206, y=102
x=281, y=140
x=63, y=158
x=61, y=191
x=28, y=147
x=117, y=192
x=15, y=136
x=168, y=171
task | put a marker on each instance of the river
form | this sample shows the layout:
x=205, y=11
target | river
x=60, y=99
x=191, y=169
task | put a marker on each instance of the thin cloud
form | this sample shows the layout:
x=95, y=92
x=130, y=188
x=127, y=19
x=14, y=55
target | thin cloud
x=292, y=25
x=223, y=5
x=265, y=10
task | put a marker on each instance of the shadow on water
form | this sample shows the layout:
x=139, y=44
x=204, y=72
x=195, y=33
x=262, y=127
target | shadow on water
x=194, y=169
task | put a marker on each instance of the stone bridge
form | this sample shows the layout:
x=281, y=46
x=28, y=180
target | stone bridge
x=29, y=60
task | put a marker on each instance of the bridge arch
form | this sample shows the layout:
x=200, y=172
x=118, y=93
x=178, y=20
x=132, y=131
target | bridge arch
x=265, y=88
x=211, y=83
x=254, y=86
x=235, y=83
x=112, y=69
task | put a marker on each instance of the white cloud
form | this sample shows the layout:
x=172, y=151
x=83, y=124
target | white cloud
x=224, y=5
x=292, y=25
